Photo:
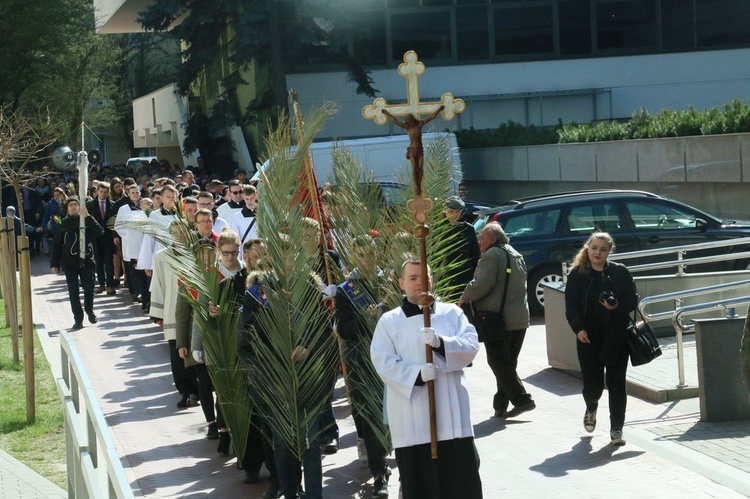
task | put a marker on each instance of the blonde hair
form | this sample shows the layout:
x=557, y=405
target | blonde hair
x=581, y=260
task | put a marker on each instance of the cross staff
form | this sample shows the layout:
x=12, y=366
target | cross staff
x=380, y=111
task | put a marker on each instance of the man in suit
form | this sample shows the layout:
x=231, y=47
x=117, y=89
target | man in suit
x=102, y=209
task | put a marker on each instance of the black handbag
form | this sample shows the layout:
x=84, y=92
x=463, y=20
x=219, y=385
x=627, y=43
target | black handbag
x=490, y=325
x=642, y=341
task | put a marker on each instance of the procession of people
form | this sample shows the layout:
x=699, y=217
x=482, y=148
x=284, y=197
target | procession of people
x=163, y=243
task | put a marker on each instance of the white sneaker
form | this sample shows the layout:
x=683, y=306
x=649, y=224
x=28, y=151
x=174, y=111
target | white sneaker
x=589, y=421
x=616, y=436
x=361, y=450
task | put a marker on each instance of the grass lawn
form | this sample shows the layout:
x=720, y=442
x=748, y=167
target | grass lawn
x=40, y=445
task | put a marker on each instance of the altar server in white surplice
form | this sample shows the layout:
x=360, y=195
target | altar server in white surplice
x=398, y=354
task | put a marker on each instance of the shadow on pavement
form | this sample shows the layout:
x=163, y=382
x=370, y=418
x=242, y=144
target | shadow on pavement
x=581, y=457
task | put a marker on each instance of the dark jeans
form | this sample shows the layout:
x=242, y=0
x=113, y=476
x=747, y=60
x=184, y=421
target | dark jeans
x=185, y=380
x=375, y=451
x=502, y=357
x=258, y=448
x=104, y=250
x=328, y=422
x=74, y=273
x=287, y=466
x=206, y=393
x=593, y=373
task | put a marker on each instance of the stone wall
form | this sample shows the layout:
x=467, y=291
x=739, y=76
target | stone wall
x=709, y=172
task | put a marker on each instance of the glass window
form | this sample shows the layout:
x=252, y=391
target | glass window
x=472, y=34
x=523, y=30
x=427, y=33
x=403, y=3
x=370, y=41
x=430, y=3
x=575, y=27
x=626, y=24
x=649, y=215
x=542, y=223
x=722, y=22
x=677, y=26
x=471, y=2
x=586, y=218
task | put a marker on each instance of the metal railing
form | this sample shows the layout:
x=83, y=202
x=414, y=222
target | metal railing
x=679, y=312
x=681, y=262
x=94, y=468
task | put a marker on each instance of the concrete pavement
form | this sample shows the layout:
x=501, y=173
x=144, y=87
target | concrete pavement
x=546, y=452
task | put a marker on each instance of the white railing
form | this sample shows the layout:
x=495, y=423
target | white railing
x=94, y=468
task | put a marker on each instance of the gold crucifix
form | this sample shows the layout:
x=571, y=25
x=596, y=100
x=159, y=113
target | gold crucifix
x=380, y=112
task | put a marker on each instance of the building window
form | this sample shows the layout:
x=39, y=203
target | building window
x=370, y=42
x=574, y=18
x=428, y=33
x=523, y=30
x=472, y=34
x=677, y=24
x=722, y=23
x=626, y=24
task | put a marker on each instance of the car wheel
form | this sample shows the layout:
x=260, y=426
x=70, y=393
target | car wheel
x=547, y=274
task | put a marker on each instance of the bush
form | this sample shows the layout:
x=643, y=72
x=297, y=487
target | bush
x=731, y=118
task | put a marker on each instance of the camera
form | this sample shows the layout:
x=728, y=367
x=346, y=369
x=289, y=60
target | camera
x=608, y=297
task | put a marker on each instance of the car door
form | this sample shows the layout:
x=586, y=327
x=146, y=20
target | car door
x=596, y=215
x=662, y=223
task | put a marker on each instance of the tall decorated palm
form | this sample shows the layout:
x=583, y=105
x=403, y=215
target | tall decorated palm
x=295, y=357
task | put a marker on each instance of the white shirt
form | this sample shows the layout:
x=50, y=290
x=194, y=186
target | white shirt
x=130, y=237
x=240, y=224
x=398, y=353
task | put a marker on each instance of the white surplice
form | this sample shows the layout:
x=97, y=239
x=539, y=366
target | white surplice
x=398, y=353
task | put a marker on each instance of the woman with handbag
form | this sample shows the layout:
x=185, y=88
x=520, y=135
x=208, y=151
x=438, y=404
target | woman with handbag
x=599, y=296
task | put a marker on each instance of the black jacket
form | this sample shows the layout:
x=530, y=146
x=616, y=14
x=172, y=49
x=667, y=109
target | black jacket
x=583, y=289
x=65, y=246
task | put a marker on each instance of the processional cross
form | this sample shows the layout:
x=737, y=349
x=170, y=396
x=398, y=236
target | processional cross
x=381, y=112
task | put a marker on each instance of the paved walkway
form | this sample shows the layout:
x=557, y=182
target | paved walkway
x=670, y=453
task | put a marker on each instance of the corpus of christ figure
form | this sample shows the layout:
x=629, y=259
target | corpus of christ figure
x=415, y=152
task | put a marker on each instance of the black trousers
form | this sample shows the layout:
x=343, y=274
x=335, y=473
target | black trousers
x=206, y=395
x=595, y=372
x=185, y=380
x=137, y=280
x=104, y=251
x=455, y=474
x=502, y=357
x=259, y=446
x=78, y=278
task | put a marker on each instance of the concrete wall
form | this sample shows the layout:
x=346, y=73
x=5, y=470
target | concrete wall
x=709, y=172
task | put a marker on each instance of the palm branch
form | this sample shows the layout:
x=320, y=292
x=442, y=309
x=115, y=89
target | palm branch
x=292, y=390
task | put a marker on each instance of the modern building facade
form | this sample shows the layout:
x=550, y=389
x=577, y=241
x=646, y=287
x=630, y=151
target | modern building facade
x=537, y=62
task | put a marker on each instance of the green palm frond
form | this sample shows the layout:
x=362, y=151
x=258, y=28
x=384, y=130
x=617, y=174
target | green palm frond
x=292, y=390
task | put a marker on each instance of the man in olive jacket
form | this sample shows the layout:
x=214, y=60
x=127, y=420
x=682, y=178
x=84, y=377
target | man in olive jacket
x=485, y=293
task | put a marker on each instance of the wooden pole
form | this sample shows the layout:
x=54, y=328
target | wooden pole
x=28, y=327
x=8, y=263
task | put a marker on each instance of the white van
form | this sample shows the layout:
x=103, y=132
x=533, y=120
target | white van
x=134, y=163
x=385, y=156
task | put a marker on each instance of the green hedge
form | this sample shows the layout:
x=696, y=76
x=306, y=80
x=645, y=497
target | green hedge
x=731, y=118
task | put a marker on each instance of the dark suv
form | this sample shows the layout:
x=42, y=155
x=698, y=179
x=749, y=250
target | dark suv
x=550, y=229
